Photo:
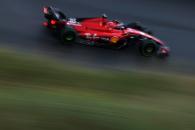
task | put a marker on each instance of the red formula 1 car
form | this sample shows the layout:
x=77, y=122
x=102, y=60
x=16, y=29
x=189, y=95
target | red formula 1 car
x=100, y=31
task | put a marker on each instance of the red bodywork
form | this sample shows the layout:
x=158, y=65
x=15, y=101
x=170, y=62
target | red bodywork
x=100, y=30
x=94, y=28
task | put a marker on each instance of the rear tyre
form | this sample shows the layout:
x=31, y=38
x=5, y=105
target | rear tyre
x=147, y=49
x=68, y=35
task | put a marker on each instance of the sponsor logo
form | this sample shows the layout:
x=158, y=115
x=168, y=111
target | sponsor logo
x=114, y=39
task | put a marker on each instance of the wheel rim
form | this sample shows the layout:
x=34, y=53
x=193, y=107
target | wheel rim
x=69, y=37
x=148, y=50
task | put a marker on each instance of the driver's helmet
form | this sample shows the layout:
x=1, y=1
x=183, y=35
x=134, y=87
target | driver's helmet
x=111, y=24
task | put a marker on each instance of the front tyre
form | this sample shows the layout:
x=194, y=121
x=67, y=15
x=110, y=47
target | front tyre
x=147, y=49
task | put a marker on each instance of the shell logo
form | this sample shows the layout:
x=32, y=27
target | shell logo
x=114, y=39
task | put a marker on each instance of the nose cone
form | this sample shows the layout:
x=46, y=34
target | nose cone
x=137, y=32
x=163, y=51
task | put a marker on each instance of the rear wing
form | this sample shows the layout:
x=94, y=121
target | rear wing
x=52, y=13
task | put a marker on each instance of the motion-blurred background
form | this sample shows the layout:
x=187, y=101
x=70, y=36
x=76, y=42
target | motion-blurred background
x=47, y=86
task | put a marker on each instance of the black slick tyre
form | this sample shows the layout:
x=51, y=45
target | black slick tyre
x=147, y=49
x=68, y=35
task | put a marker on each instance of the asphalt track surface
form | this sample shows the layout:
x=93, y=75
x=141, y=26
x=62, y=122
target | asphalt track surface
x=172, y=21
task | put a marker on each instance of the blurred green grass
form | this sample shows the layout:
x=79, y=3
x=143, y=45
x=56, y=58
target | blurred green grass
x=41, y=94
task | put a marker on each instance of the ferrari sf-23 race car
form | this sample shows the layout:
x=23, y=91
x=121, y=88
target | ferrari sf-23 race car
x=100, y=31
